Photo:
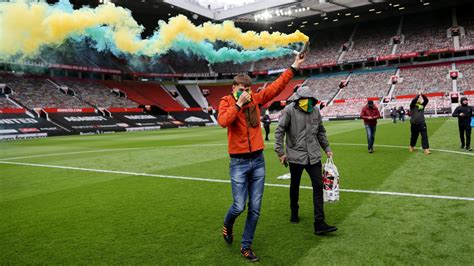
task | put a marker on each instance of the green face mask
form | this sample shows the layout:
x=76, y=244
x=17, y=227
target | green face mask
x=306, y=105
x=420, y=106
x=239, y=92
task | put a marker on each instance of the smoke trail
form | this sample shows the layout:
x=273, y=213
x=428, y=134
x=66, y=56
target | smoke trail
x=206, y=50
x=25, y=28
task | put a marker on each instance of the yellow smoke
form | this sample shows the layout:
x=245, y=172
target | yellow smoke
x=24, y=28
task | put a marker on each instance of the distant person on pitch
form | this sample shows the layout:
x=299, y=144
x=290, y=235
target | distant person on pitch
x=393, y=114
x=464, y=113
x=370, y=113
x=266, y=124
x=418, y=124
x=239, y=112
x=302, y=124
x=401, y=114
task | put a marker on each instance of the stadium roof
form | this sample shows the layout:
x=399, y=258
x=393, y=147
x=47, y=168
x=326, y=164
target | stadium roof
x=270, y=11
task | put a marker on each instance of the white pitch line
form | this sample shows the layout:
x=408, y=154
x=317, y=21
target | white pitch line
x=211, y=145
x=401, y=147
x=227, y=181
x=68, y=153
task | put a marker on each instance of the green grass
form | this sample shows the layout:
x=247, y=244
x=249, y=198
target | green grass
x=64, y=216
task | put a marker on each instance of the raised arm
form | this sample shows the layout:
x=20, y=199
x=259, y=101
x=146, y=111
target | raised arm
x=276, y=87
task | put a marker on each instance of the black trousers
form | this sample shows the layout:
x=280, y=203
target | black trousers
x=315, y=173
x=465, y=129
x=267, y=130
x=419, y=129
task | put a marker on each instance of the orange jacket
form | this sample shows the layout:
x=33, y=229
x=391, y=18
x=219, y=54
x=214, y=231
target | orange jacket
x=243, y=138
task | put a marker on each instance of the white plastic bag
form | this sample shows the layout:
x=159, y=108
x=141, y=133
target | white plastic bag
x=330, y=181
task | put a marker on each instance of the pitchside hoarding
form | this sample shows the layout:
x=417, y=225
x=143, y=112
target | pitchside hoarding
x=88, y=122
x=22, y=126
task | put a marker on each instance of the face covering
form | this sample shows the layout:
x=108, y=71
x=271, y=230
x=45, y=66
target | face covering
x=420, y=106
x=239, y=92
x=306, y=105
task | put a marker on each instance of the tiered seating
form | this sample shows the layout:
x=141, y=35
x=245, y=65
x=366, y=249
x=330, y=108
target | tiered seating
x=325, y=48
x=367, y=85
x=5, y=103
x=131, y=93
x=327, y=45
x=216, y=92
x=467, y=21
x=466, y=83
x=430, y=79
x=325, y=87
x=372, y=40
x=147, y=93
x=39, y=93
x=97, y=94
x=424, y=33
x=344, y=109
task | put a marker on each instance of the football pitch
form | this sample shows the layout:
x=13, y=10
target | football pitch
x=160, y=198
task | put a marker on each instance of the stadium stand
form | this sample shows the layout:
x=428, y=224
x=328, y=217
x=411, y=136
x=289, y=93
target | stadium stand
x=466, y=20
x=173, y=91
x=147, y=93
x=187, y=96
x=196, y=93
x=425, y=32
x=344, y=109
x=325, y=86
x=39, y=93
x=372, y=40
x=327, y=45
x=96, y=94
x=466, y=83
x=430, y=79
x=365, y=85
x=5, y=103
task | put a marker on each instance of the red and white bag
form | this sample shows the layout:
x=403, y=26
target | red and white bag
x=330, y=181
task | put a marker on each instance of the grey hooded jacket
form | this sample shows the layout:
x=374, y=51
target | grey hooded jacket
x=305, y=133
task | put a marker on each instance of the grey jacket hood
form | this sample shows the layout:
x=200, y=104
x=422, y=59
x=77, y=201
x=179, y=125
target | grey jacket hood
x=303, y=92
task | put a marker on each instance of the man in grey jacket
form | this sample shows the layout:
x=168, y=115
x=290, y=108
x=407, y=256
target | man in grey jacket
x=305, y=137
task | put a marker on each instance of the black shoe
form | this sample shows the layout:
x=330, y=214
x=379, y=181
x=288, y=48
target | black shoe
x=249, y=254
x=322, y=228
x=462, y=147
x=371, y=150
x=468, y=148
x=227, y=234
x=294, y=219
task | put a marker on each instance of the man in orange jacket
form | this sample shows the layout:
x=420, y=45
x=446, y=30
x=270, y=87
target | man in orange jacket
x=240, y=114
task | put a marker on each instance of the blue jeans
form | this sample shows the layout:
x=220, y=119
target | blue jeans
x=370, y=130
x=247, y=180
